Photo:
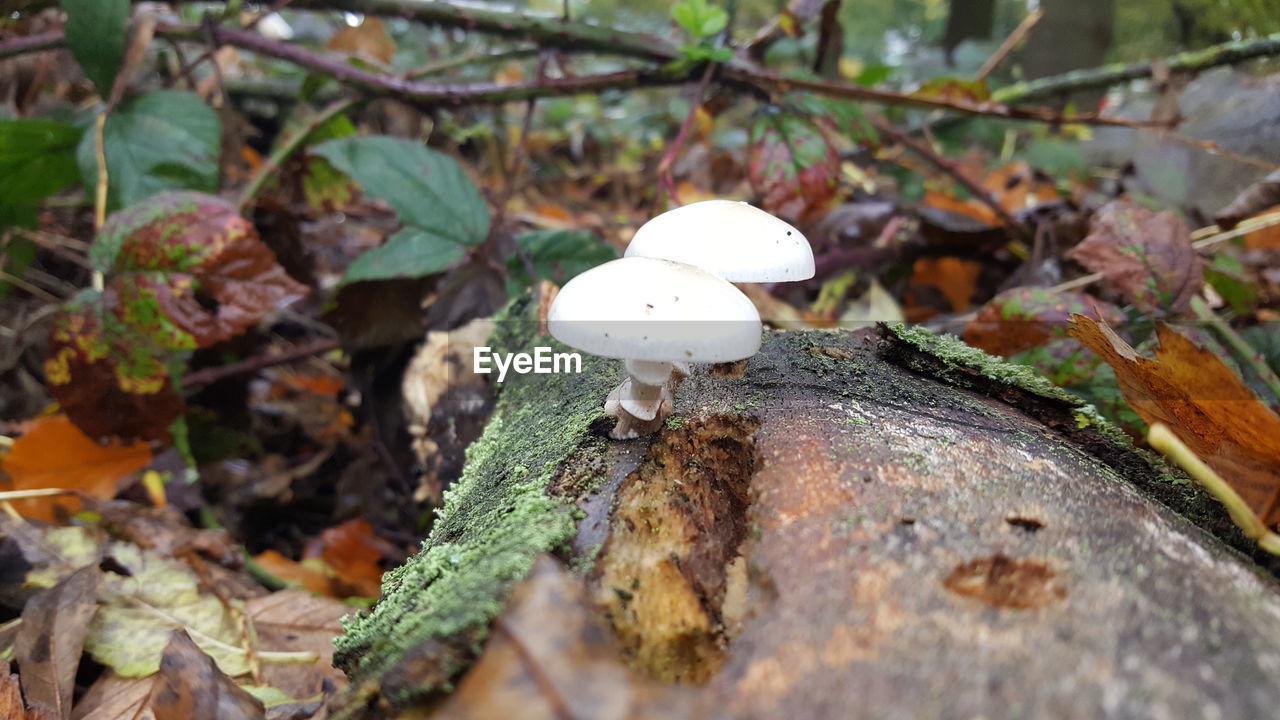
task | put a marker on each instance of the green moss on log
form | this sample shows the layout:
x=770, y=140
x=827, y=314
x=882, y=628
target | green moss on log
x=495, y=520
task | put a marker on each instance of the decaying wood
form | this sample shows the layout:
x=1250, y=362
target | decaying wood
x=861, y=525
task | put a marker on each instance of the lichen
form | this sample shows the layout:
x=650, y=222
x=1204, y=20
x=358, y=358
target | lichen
x=498, y=517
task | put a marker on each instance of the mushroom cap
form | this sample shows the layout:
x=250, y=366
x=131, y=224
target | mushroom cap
x=728, y=238
x=657, y=310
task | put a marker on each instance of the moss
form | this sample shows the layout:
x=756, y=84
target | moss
x=495, y=521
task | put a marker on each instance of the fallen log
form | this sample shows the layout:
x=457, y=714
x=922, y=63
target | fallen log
x=863, y=524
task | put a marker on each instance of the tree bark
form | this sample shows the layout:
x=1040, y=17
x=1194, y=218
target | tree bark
x=864, y=524
x=1070, y=35
x=968, y=20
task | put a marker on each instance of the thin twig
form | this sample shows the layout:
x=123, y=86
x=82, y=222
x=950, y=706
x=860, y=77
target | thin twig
x=209, y=376
x=1009, y=44
x=738, y=73
x=950, y=169
x=287, y=148
x=666, y=183
x=1231, y=53
x=1243, y=351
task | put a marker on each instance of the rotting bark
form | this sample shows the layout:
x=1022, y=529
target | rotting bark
x=863, y=525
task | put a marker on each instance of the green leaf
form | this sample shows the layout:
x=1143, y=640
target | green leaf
x=410, y=253
x=441, y=209
x=714, y=21
x=95, y=33
x=164, y=140
x=683, y=14
x=556, y=255
x=37, y=159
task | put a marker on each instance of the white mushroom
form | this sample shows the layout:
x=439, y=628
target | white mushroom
x=732, y=239
x=656, y=315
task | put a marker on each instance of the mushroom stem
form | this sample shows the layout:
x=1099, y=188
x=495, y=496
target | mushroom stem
x=644, y=399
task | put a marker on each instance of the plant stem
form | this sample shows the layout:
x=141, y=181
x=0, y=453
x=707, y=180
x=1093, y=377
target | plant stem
x=287, y=148
x=1242, y=349
x=1162, y=438
x=1230, y=53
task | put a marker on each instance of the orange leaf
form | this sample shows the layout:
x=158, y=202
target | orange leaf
x=955, y=278
x=56, y=454
x=969, y=208
x=369, y=38
x=353, y=551
x=1203, y=402
x=293, y=572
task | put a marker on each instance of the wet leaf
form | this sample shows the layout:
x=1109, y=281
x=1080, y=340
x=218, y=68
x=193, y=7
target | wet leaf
x=1147, y=255
x=1204, y=403
x=95, y=33
x=51, y=638
x=54, y=453
x=793, y=167
x=1019, y=319
x=132, y=626
x=1256, y=198
x=191, y=687
x=441, y=209
x=162, y=140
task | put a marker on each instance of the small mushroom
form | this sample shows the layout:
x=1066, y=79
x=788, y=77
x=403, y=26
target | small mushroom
x=732, y=239
x=655, y=315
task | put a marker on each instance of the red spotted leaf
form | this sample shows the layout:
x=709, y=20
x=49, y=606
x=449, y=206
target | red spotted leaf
x=793, y=168
x=109, y=379
x=186, y=266
x=1146, y=255
x=1020, y=319
x=183, y=271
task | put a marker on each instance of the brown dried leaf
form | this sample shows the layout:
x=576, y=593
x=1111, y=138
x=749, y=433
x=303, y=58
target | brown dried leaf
x=369, y=39
x=51, y=638
x=1259, y=196
x=190, y=686
x=1204, y=403
x=550, y=658
x=114, y=697
x=1147, y=255
x=297, y=621
x=11, y=705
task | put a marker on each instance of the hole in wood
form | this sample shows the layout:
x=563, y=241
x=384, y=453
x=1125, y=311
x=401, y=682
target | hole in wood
x=1000, y=581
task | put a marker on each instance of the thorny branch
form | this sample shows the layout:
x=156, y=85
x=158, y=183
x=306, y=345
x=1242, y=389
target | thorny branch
x=738, y=73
